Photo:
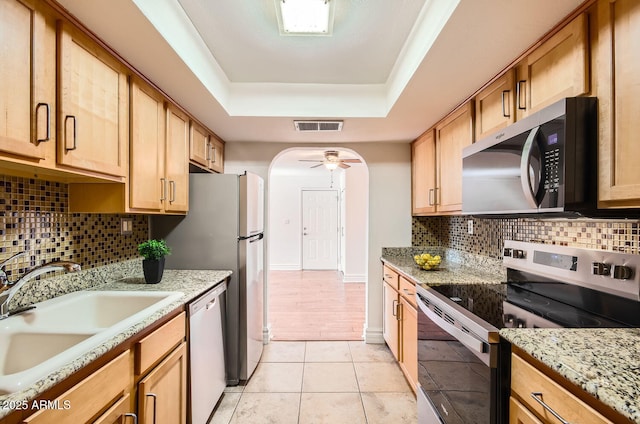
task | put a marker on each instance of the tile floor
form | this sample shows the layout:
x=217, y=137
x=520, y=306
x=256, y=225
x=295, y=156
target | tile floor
x=321, y=382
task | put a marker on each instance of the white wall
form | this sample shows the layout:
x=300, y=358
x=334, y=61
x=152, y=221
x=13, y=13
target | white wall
x=285, y=217
x=389, y=166
x=356, y=220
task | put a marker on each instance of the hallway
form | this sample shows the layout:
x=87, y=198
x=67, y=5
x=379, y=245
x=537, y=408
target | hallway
x=314, y=305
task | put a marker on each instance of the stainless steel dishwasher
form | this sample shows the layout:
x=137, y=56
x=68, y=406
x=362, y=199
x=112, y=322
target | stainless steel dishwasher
x=207, y=378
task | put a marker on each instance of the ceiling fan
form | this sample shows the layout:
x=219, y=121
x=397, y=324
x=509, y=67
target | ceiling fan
x=331, y=161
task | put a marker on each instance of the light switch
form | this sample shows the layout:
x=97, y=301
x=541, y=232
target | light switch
x=126, y=226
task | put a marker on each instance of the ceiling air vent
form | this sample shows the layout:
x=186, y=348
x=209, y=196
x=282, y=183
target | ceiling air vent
x=318, y=126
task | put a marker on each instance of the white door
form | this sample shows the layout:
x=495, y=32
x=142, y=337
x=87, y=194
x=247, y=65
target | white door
x=319, y=229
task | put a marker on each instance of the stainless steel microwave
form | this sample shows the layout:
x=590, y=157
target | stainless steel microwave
x=544, y=163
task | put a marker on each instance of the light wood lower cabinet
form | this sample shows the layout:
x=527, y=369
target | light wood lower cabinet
x=400, y=323
x=162, y=394
x=87, y=400
x=119, y=413
x=528, y=384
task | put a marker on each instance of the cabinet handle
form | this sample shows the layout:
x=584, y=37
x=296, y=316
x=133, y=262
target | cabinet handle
x=66, y=135
x=215, y=151
x=431, y=196
x=172, y=190
x=538, y=398
x=208, y=155
x=132, y=415
x=519, y=92
x=163, y=189
x=394, y=305
x=155, y=401
x=504, y=112
x=48, y=136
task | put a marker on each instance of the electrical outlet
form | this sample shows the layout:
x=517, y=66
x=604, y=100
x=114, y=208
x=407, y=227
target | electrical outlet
x=126, y=226
x=470, y=226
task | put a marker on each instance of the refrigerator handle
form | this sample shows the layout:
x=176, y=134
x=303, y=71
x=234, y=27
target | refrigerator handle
x=252, y=237
x=259, y=237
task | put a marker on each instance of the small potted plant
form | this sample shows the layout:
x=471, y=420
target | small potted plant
x=153, y=252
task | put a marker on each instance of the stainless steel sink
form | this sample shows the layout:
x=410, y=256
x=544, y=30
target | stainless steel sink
x=60, y=330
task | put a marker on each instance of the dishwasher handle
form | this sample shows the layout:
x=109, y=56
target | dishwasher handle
x=208, y=299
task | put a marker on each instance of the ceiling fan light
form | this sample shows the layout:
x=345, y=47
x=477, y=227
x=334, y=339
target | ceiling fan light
x=305, y=17
x=331, y=165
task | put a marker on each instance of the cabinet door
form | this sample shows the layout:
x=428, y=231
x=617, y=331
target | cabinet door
x=216, y=156
x=147, y=185
x=518, y=414
x=177, y=160
x=199, y=150
x=423, y=174
x=162, y=394
x=452, y=135
x=558, y=68
x=409, y=337
x=27, y=81
x=494, y=106
x=617, y=67
x=93, y=100
x=390, y=328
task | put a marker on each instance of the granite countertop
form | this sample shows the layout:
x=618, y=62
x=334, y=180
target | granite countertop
x=603, y=362
x=191, y=283
x=457, y=267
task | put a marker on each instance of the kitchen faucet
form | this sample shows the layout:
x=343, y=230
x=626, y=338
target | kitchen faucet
x=13, y=287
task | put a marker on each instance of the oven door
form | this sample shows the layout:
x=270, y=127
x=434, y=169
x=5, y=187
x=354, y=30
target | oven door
x=454, y=366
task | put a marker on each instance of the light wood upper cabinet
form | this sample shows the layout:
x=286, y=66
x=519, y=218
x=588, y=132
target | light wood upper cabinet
x=423, y=174
x=162, y=394
x=558, y=68
x=205, y=149
x=147, y=185
x=27, y=82
x=453, y=134
x=495, y=105
x=93, y=105
x=177, y=160
x=216, y=157
x=617, y=67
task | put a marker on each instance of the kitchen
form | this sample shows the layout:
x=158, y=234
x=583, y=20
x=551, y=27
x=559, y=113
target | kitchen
x=390, y=175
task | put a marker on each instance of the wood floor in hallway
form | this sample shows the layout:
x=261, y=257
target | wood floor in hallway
x=315, y=305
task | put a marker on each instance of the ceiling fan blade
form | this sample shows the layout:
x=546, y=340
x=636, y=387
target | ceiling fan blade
x=343, y=165
x=315, y=166
x=351, y=160
x=309, y=160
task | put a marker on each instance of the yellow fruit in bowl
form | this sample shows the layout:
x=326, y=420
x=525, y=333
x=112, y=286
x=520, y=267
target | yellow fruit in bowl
x=427, y=261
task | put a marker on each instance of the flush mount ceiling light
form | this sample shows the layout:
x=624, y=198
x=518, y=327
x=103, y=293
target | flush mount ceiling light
x=305, y=17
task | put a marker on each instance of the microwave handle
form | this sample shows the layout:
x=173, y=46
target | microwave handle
x=525, y=164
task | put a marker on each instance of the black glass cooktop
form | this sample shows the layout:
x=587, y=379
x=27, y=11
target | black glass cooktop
x=566, y=305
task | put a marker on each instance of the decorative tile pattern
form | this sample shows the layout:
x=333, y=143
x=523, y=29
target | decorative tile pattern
x=490, y=234
x=34, y=217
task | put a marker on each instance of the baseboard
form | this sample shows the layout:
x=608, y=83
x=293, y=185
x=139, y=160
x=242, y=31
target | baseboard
x=354, y=278
x=284, y=267
x=374, y=336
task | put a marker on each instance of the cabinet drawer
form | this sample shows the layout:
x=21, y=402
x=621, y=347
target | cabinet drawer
x=408, y=291
x=390, y=276
x=85, y=400
x=526, y=380
x=156, y=345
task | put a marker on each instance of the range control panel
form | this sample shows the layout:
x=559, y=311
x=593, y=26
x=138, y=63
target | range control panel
x=610, y=272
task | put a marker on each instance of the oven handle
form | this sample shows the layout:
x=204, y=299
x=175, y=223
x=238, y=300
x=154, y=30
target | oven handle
x=464, y=338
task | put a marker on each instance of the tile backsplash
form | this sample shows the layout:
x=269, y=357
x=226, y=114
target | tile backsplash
x=489, y=234
x=35, y=217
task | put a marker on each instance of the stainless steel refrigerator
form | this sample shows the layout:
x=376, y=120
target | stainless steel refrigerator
x=224, y=230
